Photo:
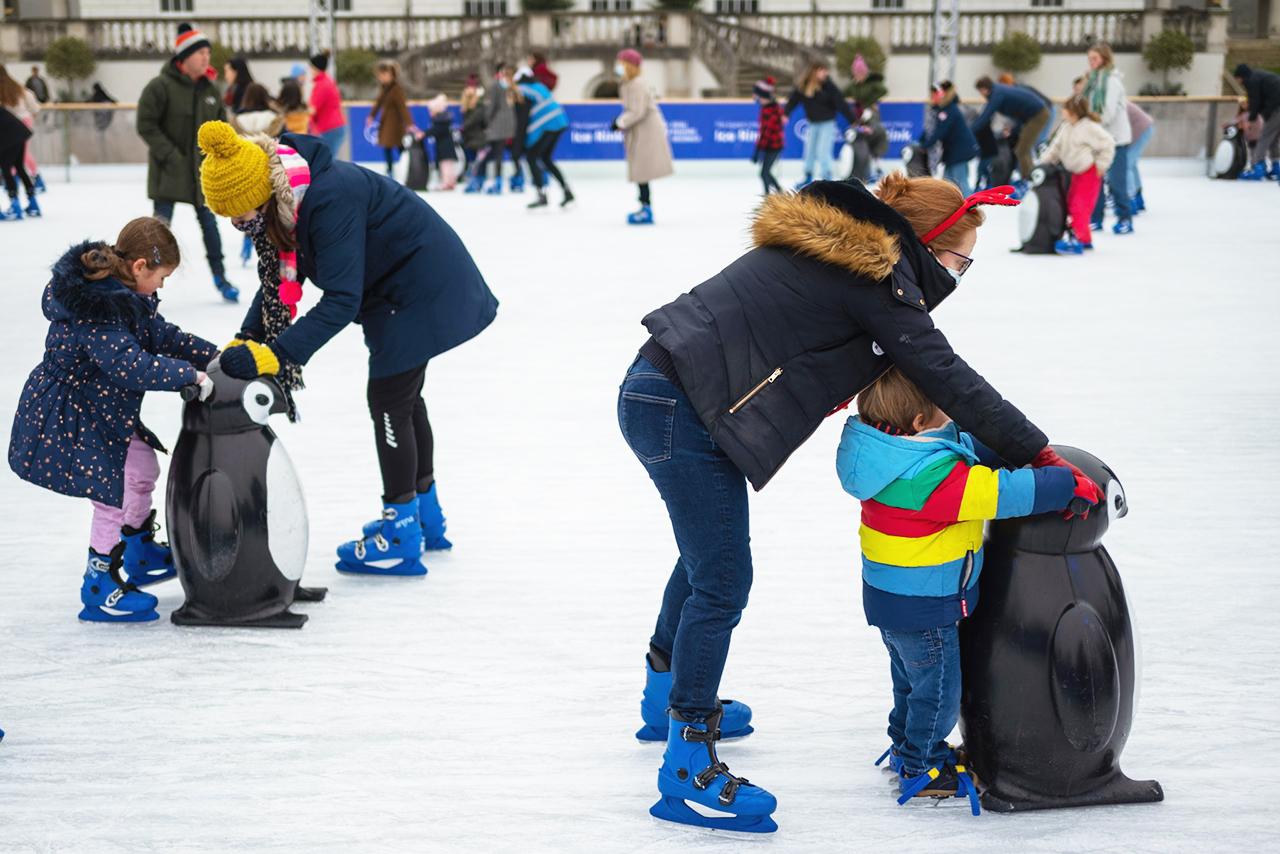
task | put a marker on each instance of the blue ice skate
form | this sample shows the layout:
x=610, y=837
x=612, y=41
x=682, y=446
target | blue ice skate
x=13, y=213
x=1256, y=172
x=694, y=782
x=1069, y=246
x=736, y=722
x=33, y=207
x=145, y=560
x=1124, y=226
x=38, y=183
x=516, y=184
x=1020, y=188
x=950, y=779
x=431, y=518
x=474, y=185
x=895, y=760
x=229, y=292
x=808, y=179
x=1096, y=224
x=107, y=598
x=1137, y=204
x=1274, y=173
x=246, y=250
x=395, y=548
x=644, y=216
x=494, y=189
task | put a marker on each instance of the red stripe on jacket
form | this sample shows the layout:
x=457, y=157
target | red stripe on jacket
x=940, y=510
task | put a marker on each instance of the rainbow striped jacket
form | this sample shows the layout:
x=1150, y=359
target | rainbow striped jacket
x=924, y=501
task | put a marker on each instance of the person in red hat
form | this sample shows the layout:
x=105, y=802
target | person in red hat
x=644, y=132
x=769, y=137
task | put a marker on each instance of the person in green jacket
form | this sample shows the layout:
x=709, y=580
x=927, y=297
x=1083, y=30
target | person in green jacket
x=170, y=111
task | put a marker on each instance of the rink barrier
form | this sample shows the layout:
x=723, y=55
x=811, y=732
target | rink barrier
x=724, y=129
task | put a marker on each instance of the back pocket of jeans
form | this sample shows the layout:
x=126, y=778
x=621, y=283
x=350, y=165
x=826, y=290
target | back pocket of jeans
x=646, y=422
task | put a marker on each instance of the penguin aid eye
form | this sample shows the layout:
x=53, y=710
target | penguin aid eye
x=257, y=400
x=263, y=400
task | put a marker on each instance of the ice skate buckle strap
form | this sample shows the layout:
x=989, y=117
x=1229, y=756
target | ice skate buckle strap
x=707, y=776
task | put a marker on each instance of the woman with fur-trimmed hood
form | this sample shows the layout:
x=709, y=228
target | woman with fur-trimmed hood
x=737, y=374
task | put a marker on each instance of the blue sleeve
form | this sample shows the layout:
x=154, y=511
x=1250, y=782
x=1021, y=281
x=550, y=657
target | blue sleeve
x=938, y=132
x=986, y=456
x=1055, y=487
x=338, y=233
x=984, y=118
x=793, y=101
x=172, y=341
x=126, y=364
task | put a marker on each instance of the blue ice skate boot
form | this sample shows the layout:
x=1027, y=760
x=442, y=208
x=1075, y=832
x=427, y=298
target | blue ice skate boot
x=229, y=292
x=1274, y=173
x=108, y=598
x=1137, y=204
x=394, y=547
x=33, y=207
x=1020, y=188
x=494, y=189
x=246, y=250
x=736, y=722
x=431, y=518
x=516, y=185
x=1069, y=246
x=1256, y=172
x=145, y=560
x=1097, y=224
x=895, y=760
x=808, y=179
x=474, y=185
x=951, y=779
x=1124, y=226
x=38, y=183
x=644, y=216
x=13, y=213
x=692, y=777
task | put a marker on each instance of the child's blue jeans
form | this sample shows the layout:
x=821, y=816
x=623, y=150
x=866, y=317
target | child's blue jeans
x=925, y=664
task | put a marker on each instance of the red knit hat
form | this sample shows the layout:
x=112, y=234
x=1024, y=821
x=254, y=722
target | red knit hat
x=189, y=41
x=630, y=56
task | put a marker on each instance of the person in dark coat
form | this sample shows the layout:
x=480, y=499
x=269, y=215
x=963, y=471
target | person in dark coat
x=951, y=128
x=822, y=101
x=1263, y=89
x=78, y=431
x=1021, y=105
x=739, y=372
x=170, y=110
x=381, y=257
x=472, y=108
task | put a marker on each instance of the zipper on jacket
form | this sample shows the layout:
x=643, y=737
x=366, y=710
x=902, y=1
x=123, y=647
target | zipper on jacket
x=777, y=372
x=964, y=582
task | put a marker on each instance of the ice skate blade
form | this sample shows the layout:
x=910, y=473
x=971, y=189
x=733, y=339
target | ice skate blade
x=650, y=733
x=678, y=811
x=310, y=594
x=191, y=616
x=93, y=615
x=417, y=568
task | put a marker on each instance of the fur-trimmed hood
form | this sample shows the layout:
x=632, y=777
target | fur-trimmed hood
x=71, y=295
x=843, y=224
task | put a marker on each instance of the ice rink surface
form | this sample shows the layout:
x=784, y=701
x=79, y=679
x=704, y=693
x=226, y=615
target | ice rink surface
x=490, y=706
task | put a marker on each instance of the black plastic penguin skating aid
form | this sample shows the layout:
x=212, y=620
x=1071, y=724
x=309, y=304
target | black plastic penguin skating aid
x=1049, y=662
x=236, y=516
x=1042, y=216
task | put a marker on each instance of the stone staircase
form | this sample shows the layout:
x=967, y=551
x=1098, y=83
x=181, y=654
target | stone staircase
x=444, y=65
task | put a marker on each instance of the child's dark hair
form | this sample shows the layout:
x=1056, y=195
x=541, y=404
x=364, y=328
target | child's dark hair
x=291, y=96
x=145, y=237
x=1078, y=106
x=256, y=97
x=893, y=402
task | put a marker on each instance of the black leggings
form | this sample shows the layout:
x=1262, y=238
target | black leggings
x=402, y=434
x=10, y=163
x=644, y=193
x=540, y=161
x=494, y=153
x=767, y=159
x=390, y=154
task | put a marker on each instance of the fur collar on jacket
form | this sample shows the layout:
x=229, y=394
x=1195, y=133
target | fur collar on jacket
x=820, y=226
x=71, y=295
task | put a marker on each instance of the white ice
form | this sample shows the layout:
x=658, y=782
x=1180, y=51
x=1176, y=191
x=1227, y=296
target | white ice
x=491, y=705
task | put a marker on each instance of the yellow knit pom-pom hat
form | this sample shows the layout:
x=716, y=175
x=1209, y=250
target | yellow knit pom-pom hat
x=235, y=175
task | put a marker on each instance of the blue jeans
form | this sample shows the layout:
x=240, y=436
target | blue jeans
x=706, y=498
x=958, y=174
x=162, y=209
x=1135, y=151
x=333, y=139
x=925, y=665
x=819, y=145
x=1118, y=181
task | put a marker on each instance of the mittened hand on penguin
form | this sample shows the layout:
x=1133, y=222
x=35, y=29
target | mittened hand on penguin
x=248, y=360
x=1084, y=497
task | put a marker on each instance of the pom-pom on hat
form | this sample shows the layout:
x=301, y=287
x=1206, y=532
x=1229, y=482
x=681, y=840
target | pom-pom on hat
x=860, y=67
x=764, y=88
x=189, y=41
x=631, y=56
x=235, y=175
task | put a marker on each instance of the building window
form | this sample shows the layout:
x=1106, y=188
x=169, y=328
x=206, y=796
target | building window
x=611, y=5
x=737, y=7
x=484, y=8
x=342, y=5
x=1046, y=4
x=176, y=5
x=886, y=4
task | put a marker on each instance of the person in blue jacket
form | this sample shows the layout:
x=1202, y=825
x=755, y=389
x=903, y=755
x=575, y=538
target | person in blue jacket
x=381, y=257
x=1024, y=107
x=547, y=122
x=959, y=147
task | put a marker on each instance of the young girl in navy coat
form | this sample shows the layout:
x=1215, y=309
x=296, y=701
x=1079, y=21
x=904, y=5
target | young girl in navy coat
x=77, y=430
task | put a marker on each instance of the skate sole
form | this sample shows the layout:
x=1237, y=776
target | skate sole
x=189, y=616
x=676, y=810
x=650, y=734
x=93, y=615
x=414, y=569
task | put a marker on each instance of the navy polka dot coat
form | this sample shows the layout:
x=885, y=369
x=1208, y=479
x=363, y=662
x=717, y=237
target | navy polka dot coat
x=106, y=347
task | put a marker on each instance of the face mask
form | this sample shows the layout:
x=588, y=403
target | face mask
x=254, y=226
x=954, y=274
x=619, y=70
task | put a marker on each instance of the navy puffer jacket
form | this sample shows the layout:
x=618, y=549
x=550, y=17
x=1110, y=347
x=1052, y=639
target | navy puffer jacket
x=106, y=347
x=837, y=290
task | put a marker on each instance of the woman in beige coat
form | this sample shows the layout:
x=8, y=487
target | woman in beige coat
x=644, y=133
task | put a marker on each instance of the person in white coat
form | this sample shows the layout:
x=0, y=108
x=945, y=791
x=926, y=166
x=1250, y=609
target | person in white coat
x=1104, y=90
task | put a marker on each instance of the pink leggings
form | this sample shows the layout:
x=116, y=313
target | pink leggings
x=141, y=470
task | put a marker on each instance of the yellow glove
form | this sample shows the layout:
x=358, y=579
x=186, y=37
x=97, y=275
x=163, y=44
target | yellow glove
x=249, y=360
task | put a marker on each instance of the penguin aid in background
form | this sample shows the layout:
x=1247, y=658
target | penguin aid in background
x=1049, y=662
x=236, y=516
x=1042, y=216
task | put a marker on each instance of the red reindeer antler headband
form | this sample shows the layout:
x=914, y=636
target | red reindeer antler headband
x=991, y=196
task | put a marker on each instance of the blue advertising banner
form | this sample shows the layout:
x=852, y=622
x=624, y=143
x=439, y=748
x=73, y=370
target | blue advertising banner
x=699, y=130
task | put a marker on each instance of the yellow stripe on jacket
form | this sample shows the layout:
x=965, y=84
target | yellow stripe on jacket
x=951, y=543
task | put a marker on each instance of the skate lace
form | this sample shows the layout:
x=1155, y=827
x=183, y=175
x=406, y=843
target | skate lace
x=707, y=776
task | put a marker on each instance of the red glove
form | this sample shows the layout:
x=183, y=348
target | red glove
x=1086, y=491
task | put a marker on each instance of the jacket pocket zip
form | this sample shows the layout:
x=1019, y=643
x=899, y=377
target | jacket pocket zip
x=964, y=582
x=777, y=372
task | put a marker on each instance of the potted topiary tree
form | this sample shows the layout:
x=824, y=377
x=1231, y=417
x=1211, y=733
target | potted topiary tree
x=1168, y=50
x=69, y=59
x=355, y=70
x=1016, y=53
